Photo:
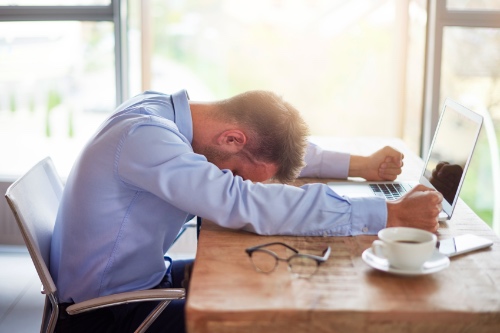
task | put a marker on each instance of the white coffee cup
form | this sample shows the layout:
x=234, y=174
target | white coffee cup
x=405, y=248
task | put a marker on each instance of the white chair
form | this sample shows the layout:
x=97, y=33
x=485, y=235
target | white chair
x=34, y=199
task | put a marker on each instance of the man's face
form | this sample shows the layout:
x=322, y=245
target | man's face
x=241, y=164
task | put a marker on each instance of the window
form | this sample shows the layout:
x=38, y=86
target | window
x=54, y=2
x=336, y=61
x=462, y=63
x=473, y=4
x=60, y=77
x=353, y=67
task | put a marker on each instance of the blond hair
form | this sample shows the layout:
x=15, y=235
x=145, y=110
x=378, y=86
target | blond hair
x=275, y=130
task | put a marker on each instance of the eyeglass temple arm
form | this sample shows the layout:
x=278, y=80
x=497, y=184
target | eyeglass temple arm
x=253, y=248
x=326, y=254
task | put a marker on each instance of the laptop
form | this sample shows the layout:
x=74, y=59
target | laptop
x=444, y=169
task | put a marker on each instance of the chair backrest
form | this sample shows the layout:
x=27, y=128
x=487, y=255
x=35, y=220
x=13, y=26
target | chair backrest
x=34, y=199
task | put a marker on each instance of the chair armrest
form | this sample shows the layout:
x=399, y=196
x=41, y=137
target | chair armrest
x=127, y=297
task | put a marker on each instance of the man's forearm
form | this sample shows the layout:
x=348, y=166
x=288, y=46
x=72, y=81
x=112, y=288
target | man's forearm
x=357, y=166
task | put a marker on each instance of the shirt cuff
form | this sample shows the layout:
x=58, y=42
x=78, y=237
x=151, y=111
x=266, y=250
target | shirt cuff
x=325, y=163
x=369, y=215
x=335, y=164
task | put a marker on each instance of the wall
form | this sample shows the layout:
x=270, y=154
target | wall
x=9, y=232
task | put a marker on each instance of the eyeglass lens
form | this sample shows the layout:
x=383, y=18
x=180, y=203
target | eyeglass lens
x=264, y=261
x=303, y=266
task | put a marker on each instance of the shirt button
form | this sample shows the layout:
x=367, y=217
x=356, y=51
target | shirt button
x=365, y=230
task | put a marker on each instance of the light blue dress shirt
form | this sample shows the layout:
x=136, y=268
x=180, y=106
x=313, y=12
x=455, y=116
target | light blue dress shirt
x=138, y=181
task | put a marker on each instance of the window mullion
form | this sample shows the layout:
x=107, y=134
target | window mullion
x=471, y=18
x=56, y=13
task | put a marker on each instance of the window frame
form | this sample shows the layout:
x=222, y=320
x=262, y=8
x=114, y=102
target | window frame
x=439, y=17
x=115, y=12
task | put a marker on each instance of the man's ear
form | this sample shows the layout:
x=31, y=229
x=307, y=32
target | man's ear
x=232, y=140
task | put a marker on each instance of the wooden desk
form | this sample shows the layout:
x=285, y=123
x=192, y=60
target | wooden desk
x=346, y=295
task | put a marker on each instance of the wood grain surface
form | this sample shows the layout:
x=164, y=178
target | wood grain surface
x=226, y=294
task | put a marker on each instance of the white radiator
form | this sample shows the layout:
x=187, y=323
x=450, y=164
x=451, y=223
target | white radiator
x=9, y=232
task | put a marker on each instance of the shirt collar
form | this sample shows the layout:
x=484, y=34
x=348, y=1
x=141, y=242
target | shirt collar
x=183, y=119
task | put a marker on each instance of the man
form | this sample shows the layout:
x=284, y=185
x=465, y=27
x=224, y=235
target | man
x=161, y=159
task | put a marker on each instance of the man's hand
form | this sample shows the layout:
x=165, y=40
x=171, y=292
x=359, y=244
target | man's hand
x=384, y=164
x=419, y=208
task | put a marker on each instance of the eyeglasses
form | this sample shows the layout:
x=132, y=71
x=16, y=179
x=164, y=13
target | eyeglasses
x=303, y=265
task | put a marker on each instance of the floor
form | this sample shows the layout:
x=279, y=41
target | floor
x=21, y=303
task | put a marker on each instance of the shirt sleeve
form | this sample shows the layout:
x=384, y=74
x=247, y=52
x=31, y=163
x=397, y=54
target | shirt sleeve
x=322, y=163
x=158, y=161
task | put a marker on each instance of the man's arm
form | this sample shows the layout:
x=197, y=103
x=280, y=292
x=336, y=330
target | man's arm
x=322, y=163
x=384, y=164
x=419, y=208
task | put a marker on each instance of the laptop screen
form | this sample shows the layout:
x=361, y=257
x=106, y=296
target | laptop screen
x=452, y=149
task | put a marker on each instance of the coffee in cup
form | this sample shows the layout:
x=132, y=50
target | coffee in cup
x=405, y=248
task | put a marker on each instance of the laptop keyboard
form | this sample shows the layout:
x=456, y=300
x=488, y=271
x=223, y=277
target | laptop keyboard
x=389, y=191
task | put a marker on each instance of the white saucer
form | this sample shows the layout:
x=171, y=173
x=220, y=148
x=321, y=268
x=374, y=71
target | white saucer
x=437, y=262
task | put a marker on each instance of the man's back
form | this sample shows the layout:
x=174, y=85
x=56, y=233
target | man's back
x=111, y=235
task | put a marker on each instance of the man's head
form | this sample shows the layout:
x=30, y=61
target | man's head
x=269, y=134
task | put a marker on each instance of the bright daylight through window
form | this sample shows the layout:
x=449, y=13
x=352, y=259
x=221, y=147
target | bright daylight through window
x=353, y=68
x=57, y=85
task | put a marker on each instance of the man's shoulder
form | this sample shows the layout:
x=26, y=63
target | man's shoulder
x=129, y=122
